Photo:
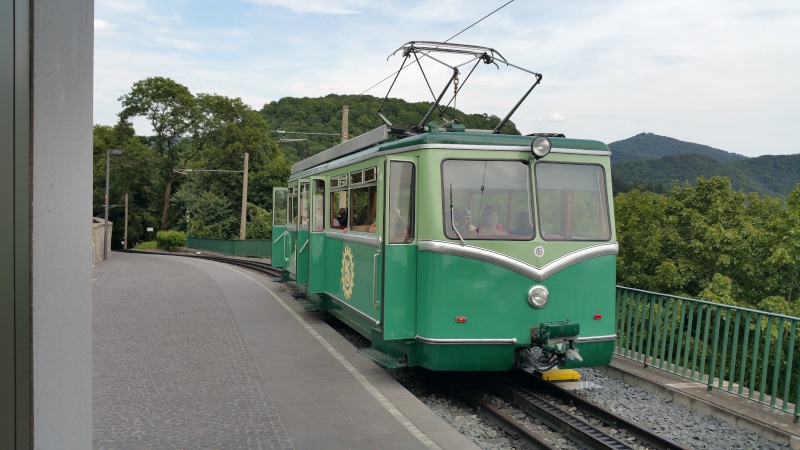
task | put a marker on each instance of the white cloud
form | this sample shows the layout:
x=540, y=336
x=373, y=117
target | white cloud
x=708, y=72
x=552, y=117
x=318, y=6
x=101, y=26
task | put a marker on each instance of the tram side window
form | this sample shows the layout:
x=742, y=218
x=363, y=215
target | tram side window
x=401, y=202
x=363, y=200
x=280, y=206
x=572, y=202
x=485, y=199
x=304, y=206
x=318, y=219
x=293, y=205
x=339, y=207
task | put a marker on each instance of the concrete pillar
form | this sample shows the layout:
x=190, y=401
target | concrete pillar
x=46, y=55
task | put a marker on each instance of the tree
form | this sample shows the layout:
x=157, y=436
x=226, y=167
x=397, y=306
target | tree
x=711, y=242
x=133, y=172
x=211, y=216
x=229, y=129
x=260, y=222
x=172, y=112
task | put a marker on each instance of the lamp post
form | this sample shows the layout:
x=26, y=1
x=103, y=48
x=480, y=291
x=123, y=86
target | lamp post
x=243, y=223
x=109, y=152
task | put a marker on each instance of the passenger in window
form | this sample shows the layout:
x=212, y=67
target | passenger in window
x=319, y=218
x=493, y=209
x=398, y=228
x=463, y=221
x=341, y=219
x=488, y=223
x=523, y=226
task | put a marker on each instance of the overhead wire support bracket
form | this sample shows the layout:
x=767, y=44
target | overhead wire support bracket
x=436, y=103
x=478, y=54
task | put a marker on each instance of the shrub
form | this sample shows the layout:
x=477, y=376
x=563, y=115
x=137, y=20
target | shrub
x=170, y=240
x=146, y=245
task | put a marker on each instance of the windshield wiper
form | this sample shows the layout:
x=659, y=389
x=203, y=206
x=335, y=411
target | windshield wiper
x=453, y=219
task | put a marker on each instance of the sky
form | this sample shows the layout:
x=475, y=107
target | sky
x=722, y=73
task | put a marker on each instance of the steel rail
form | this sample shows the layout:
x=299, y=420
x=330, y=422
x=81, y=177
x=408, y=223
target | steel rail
x=520, y=384
x=572, y=427
x=258, y=266
x=499, y=417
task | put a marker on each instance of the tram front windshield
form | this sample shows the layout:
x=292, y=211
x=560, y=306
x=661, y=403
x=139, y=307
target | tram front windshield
x=485, y=199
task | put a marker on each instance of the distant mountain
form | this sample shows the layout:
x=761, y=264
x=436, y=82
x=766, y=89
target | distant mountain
x=646, y=146
x=647, y=160
x=655, y=162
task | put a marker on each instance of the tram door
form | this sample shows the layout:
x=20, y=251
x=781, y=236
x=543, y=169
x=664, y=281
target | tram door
x=280, y=236
x=300, y=260
x=316, y=246
x=400, y=251
x=291, y=232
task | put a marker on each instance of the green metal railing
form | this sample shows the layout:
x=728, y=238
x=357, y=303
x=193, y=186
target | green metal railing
x=749, y=353
x=259, y=248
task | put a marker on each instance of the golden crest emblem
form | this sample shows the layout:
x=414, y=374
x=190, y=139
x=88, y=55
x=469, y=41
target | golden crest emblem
x=348, y=272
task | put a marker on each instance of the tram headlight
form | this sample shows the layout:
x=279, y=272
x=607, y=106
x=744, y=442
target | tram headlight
x=537, y=296
x=540, y=147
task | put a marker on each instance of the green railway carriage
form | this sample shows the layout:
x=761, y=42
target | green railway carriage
x=457, y=250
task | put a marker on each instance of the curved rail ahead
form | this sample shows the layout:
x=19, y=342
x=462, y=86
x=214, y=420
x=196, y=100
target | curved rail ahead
x=259, y=266
x=529, y=395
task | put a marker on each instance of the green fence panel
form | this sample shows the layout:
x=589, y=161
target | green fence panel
x=680, y=335
x=257, y=248
x=261, y=248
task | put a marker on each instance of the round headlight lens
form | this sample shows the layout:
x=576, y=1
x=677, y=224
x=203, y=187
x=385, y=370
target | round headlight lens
x=540, y=147
x=537, y=296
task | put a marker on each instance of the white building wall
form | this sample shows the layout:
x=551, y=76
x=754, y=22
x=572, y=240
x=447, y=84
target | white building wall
x=61, y=126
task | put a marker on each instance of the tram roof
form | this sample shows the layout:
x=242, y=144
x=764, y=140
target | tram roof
x=376, y=141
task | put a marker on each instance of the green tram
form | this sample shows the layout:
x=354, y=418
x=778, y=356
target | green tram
x=457, y=250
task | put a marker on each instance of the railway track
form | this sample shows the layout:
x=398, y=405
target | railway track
x=529, y=396
x=259, y=266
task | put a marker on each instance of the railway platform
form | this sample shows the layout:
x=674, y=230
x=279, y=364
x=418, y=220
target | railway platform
x=190, y=353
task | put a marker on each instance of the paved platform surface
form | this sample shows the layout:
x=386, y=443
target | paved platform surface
x=768, y=422
x=193, y=354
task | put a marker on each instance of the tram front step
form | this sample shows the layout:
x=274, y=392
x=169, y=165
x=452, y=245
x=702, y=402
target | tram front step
x=306, y=305
x=383, y=359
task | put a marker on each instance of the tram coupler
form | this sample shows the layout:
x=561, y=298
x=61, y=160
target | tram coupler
x=558, y=338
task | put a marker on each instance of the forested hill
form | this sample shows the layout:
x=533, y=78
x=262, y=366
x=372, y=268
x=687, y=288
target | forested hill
x=654, y=162
x=645, y=160
x=646, y=146
x=324, y=115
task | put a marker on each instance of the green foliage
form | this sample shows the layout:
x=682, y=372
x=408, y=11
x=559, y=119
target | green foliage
x=202, y=132
x=324, y=115
x=134, y=172
x=171, y=110
x=149, y=245
x=711, y=242
x=170, y=240
x=210, y=215
x=259, y=223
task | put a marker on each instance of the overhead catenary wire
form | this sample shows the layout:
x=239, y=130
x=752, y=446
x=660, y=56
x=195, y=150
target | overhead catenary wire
x=448, y=40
